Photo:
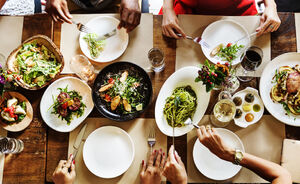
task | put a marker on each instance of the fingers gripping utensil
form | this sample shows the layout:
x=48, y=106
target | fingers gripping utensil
x=78, y=140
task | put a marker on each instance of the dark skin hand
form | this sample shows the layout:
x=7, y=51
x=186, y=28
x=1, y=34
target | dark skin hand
x=130, y=15
x=58, y=10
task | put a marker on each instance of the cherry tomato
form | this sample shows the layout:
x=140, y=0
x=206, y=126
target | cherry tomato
x=18, y=78
x=107, y=98
x=65, y=105
x=229, y=44
x=111, y=80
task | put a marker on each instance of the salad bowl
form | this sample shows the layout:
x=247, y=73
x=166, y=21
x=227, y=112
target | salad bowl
x=25, y=122
x=43, y=41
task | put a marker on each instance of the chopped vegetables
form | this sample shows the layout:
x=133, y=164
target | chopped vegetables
x=123, y=93
x=68, y=104
x=14, y=111
x=95, y=46
x=36, y=64
x=227, y=53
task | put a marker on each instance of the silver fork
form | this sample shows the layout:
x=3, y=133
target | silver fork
x=151, y=139
x=82, y=28
x=198, y=40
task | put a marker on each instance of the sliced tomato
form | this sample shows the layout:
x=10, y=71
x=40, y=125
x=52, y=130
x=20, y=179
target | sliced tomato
x=107, y=98
x=229, y=44
x=65, y=105
x=111, y=80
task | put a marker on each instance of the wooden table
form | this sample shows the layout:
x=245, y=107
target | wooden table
x=44, y=147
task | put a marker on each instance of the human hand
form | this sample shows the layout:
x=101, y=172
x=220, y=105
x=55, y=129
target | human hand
x=152, y=172
x=130, y=15
x=170, y=23
x=211, y=139
x=269, y=21
x=65, y=172
x=58, y=10
x=174, y=169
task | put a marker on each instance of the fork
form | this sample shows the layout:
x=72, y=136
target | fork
x=151, y=138
x=82, y=28
x=198, y=40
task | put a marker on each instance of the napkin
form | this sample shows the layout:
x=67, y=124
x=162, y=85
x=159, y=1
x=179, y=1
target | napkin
x=2, y=156
x=138, y=129
x=290, y=158
x=10, y=33
x=140, y=41
x=297, y=23
x=189, y=53
x=262, y=139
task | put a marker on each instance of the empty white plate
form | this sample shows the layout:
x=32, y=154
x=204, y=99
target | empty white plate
x=212, y=166
x=115, y=46
x=52, y=120
x=108, y=152
x=224, y=31
x=183, y=77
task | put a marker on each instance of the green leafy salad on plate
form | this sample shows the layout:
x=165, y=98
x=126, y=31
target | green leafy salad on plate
x=68, y=104
x=226, y=53
x=94, y=46
x=180, y=106
x=36, y=64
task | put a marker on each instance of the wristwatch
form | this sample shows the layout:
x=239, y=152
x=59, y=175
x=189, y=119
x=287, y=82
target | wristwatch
x=238, y=156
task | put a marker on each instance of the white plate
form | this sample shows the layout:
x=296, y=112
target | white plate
x=52, y=120
x=224, y=31
x=115, y=46
x=108, y=152
x=241, y=122
x=265, y=86
x=212, y=166
x=183, y=77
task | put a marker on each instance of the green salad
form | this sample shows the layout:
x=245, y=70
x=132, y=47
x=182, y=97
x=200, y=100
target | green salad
x=68, y=104
x=94, y=46
x=123, y=93
x=228, y=52
x=36, y=64
x=180, y=106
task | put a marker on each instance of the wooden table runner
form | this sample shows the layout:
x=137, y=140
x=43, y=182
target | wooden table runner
x=138, y=129
x=140, y=41
x=10, y=33
x=263, y=139
x=297, y=23
x=189, y=53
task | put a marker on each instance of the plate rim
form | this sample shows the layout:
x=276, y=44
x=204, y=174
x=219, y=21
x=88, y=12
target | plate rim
x=243, y=150
x=277, y=61
x=96, y=60
x=103, y=128
x=48, y=88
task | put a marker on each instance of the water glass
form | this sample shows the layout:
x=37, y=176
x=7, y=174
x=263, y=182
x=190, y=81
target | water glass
x=157, y=59
x=82, y=67
x=11, y=145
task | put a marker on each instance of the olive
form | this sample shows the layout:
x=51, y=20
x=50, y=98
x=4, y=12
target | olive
x=249, y=98
x=237, y=101
x=238, y=113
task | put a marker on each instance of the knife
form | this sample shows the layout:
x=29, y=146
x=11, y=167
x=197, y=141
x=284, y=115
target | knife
x=78, y=140
x=107, y=35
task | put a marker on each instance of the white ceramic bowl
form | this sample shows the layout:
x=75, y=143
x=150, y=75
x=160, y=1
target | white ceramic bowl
x=108, y=152
x=183, y=77
x=52, y=120
x=224, y=31
x=212, y=166
x=115, y=46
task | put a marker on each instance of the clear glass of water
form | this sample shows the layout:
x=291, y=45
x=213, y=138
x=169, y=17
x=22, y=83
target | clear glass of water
x=83, y=68
x=11, y=145
x=157, y=59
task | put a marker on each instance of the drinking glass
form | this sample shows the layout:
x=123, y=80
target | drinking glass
x=11, y=145
x=223, y=113
x=252, y=59
x=157, y=60
x=82, y=67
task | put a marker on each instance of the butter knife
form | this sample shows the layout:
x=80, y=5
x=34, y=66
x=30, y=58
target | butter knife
x=107, y=35
x=78, y=140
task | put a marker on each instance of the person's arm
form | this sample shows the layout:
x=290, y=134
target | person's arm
x=130, y=14
x=266, y=169
x=2, y=2
x=269, y=21
x=65, y=172
x=170, y=22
